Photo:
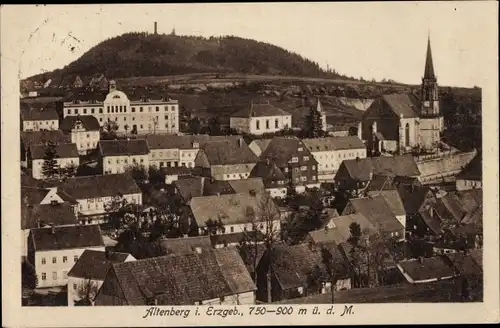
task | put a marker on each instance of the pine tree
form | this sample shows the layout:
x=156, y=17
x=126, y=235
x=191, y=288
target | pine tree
x=50, y=168
x=314, y=124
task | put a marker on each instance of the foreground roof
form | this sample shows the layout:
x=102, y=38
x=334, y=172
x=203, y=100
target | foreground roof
x=67, y=237
x=65, y=150
x=123, y=147
x=108, y=185
x=95, y=264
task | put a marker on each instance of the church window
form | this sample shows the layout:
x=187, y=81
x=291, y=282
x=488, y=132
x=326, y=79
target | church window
x=407, y=134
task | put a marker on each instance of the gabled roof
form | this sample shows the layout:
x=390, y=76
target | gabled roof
x=29, y=138
x=67, y=237
x=281, y=150
x=402, y=104
x=334, y=143
x=157, y=141
x=465, y=264
x=231, y=208
x=34, y=216
x=228, y=152
x=261, y=144
x=95, y=264
x=429, y=66
x=247, y=185
x=123, y=147
x=378, y=212
x=183, y=279
x=413, y=197
x=66, y=150
x=393, y=199
x=473, y=170
x=201, y=186
x=269, y=172
x=185, y=244
x=88, y=122
x=341, y=232
x=431, y=219
x=426, y=268
x=108, y=185
x=363, y=169
x=260, y=110
x=38, y=112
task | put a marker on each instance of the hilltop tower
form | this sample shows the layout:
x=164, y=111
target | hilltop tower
x=429, y=88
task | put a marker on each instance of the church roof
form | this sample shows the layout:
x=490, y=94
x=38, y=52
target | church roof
x=429, y=66
x=402, y=104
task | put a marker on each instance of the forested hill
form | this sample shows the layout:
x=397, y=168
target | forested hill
x=144, y=54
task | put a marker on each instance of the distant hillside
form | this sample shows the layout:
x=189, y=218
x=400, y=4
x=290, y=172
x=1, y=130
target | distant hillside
x=143, y=54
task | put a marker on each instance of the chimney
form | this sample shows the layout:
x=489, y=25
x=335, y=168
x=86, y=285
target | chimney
x=185, y=235
x=267, y=161
x=156, y=28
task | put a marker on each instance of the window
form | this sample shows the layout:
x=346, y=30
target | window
x=303, y=178
x=140, y=109
x=276, y=123
x=232, y=229
x=54, y=275
x=109, y=161
x=44, y=276
x=166, y=108
x=75, y=258
x=92, y=110
x=267, y=124
x=54, y=260
x=257, y=125
x=286, y=169
x=303, y=168
x=294, y=159
x=65, y=274
x=100, y=110
x=133, y=109
x=166, y=117
x=314, y=177
x=69, y=111
x=74, y=286
x=76, y=110
x=157, y=108
x=300, y=149
x=306, y=158
x=117, y=161
x=124, y=108
x=43, y=260
x=142, y=161
x=65, y=259
x=314, y=167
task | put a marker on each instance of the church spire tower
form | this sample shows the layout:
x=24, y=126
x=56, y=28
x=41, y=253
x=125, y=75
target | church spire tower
x=429, y=90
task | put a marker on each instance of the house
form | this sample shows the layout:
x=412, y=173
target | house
x=42, y=207
x=185, y=245
x=260, y=118
x=235, y=239
x=84, y=131
x=295, y=271
x=466, y=264
x=53, y=251
x=115, y=156
x=275, y=182
x=379, y=213
x=94, y=193
x=227, y=159
x=425, y=270
x=89, y=272
x=440, y=169
x=42, y=137
x=295, y=160
x=398, y=123
x=173, y=174
x=147, y=113
x=201, y=186
x=416, y=201
x=39, y=117
x=331, y=151
x=393, y=199
x=218, y=276
x=78, y=82
x=174, y=151
x=354, y=175
x=472, y=175
x=66, y=156
x=259, y=145
x=237, y=213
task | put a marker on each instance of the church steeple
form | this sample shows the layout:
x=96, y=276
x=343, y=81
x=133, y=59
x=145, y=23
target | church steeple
x=429, y=66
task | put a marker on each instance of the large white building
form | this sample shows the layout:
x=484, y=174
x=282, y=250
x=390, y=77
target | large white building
x=67, y=155
x=260, y=118
x=84, y=131
x=115, y=156
x=331, y=151
x=147, y=115
x=53, y=251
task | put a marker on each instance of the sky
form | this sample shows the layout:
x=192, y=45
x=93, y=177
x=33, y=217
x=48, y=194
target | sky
x=373, y=40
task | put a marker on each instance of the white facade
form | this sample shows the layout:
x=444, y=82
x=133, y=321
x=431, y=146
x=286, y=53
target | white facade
x=85, y=140
x=97, y=205
x=329, y=161
x=237, y=299
x=247, y=226
x=261, y=125
x=232, y=171
x=52, y=267
x=164, y=157
x=147, y=116
x=40, y=125
x=462, y=184
x=76, y=283
x=37, y=165
x=277, y=192
x=119, y=164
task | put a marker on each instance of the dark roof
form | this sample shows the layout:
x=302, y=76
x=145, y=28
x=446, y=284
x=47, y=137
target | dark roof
x=260, y=110
x=363, y=169
x=29, y=138
x=334, y=143
x=269, y=172
x=185, y=245
x=393, y=199
x=34, y=216
x=473, y=170
x=94, y=264
x=158, y=141
x=228, y=152
x=123, y=147
x=456, y=205
x=378, y=212
x=426, y=268
x=183, y=279
x=293, y=264
x=429, y=66
x=177, y=170
x=201, y=186
x=465, y=264
x=33, y=195
x=413, y=197
x=236, y=237
x=38, y=112
x=89, y=123
x=66, y=150
x=402, y=104
x=65, y=237
x=281, y=150
x=109, y=185
x=340, y=233
x=247, y=185
x=431, y=219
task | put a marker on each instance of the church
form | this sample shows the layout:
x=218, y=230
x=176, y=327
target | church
x=399, y=123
